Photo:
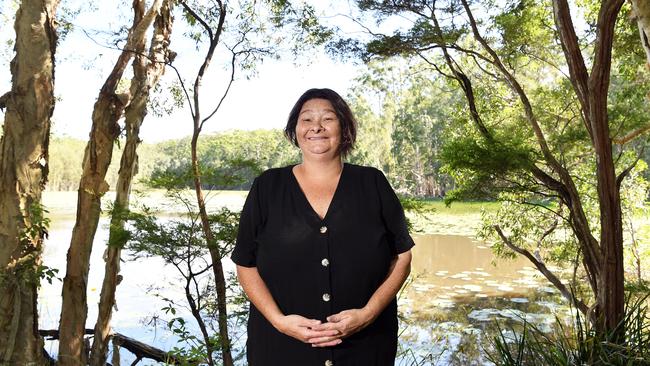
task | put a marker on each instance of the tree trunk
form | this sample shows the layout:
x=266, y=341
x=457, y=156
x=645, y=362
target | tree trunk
x=610, y=297
x=23, y=175
x=215, y=256
x=641, y=10
x=147, y=72
x=92, y=186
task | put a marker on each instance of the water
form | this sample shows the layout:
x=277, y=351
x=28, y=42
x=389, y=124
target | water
x=456, y=291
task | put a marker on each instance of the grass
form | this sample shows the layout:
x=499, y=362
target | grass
x=577, y=343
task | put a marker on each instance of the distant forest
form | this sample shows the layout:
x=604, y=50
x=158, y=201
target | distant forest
x=230, y=160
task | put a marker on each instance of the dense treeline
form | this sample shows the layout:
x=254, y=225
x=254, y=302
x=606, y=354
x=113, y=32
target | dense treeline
x=263, y=148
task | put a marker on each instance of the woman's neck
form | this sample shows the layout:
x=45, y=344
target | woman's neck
x=321, y=168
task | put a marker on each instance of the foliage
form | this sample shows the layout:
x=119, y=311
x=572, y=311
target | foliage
x=181, y=243
x=402, y=114
x=577, y=343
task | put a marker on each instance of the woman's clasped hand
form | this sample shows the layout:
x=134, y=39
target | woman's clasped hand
x=303, y=329
x=319, y=334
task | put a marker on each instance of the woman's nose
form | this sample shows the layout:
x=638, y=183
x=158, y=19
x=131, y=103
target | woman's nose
x=318, y=126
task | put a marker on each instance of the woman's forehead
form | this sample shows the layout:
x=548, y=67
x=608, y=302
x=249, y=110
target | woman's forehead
x=317, y=105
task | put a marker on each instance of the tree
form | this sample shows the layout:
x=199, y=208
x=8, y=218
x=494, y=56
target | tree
x=147, y=70
x=404, y=137
x=180, y=243
x=105, y=130
x=24, y=168
x=519, y=146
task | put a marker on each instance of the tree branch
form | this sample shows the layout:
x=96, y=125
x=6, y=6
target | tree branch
x=516, y=87
x=577, y=69
x=141, y=350
x=632, y=135
x=599, y=78
x=592, y=251
x=626, y=171
x=464, y=82
x=579, y=304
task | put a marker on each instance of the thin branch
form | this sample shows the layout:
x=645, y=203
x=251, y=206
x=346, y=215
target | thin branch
x=232, y=79
x=579, y=304
x=199, y=19
x=573, y=198
x=464, y=82
x=152, y=60
x=632, y=135
x=516, y=87
x=626, y=171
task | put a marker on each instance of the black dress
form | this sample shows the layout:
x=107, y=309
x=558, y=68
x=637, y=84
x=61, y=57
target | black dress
x=316, y=268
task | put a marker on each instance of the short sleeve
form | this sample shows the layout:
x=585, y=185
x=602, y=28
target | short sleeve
x=250, y=221
x=393, y=216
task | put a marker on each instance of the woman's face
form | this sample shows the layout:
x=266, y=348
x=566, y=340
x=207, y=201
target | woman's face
x=318, y=130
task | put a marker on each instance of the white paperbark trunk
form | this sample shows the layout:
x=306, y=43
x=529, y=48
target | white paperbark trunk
x=23, y=174
x=92, y=186
x=147, y=72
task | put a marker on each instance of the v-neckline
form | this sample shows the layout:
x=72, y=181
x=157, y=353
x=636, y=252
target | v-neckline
x=304, y=196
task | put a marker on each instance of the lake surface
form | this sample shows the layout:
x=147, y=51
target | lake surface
x=448, y=306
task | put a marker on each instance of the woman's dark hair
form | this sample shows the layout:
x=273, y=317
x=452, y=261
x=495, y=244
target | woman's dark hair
x=343, y=113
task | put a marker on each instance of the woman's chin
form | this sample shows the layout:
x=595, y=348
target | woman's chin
x=320, y=153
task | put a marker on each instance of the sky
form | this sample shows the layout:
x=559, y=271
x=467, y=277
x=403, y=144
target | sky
x=260, y=101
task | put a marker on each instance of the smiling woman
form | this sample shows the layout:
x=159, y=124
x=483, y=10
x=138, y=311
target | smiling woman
x=322, y=249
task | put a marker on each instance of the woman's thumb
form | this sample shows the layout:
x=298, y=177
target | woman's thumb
x=333, y=318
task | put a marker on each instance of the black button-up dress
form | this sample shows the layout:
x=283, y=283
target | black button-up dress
x=316, y=268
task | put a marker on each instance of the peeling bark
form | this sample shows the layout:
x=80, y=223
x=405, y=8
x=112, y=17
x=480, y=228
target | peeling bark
x=105, y=130
x=23, y=175
x=147, y=71
x=641, y=12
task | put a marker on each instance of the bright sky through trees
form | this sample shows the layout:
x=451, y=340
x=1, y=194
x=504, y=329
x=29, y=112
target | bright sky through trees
x=84, y=58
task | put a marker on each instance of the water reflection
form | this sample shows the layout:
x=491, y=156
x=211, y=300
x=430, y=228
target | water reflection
x=456, y=293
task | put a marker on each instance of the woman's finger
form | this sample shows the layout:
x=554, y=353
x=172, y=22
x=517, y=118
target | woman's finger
x=328, y=344
x=304, y=322
x=322, y=333
x=325, y=326
x=322, y=339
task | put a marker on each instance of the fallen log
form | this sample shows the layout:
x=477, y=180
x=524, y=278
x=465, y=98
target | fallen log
x=139, y=349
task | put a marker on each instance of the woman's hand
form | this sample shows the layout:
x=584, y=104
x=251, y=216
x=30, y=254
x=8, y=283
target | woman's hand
x=344, y=323
x=303, y=329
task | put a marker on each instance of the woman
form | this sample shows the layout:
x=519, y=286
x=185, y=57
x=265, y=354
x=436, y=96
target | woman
x=322, y=249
